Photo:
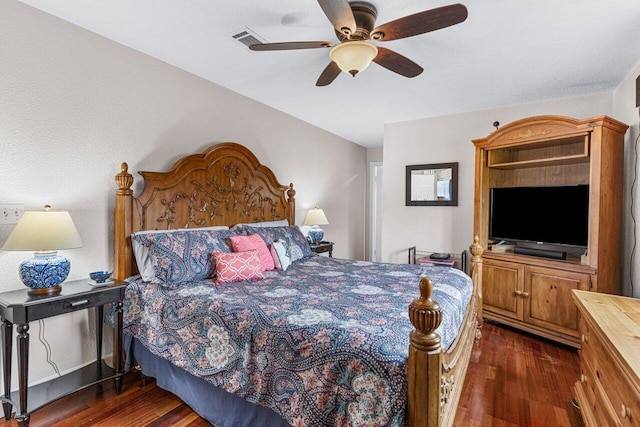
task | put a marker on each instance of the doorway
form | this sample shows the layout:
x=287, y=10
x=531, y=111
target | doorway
x=375, y=211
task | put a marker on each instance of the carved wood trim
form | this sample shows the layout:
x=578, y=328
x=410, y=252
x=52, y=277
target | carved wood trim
x=544, y=128
x=225, y=185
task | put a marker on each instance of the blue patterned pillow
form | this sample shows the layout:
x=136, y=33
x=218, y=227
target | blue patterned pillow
x=296, y=243
x=181, y=256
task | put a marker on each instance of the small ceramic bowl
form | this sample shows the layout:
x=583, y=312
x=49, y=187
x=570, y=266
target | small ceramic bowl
x=100, y=276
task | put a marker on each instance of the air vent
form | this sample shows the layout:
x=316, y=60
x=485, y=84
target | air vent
x=248, y=37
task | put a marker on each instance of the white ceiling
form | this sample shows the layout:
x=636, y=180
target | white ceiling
x=507, y=52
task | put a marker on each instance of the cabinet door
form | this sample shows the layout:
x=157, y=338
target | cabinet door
x=502, y=282
x=547, y=298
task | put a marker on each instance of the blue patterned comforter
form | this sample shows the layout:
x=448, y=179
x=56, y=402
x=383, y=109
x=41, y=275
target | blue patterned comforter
x=324, y=343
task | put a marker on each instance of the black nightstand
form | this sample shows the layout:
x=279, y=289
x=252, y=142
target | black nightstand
x=20, y=308
x=322, y=247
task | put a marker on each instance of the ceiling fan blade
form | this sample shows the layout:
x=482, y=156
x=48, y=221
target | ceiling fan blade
x=340, y=15
x=397, y=63
x=421, y=22
x=329, y=74
x=289, y=45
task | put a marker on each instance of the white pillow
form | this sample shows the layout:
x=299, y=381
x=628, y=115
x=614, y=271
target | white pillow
x=141, y=252
x=279, y=254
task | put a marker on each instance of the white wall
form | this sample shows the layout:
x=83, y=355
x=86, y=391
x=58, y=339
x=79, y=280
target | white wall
x=443, y=140
x=74, y=105
x=625, y=110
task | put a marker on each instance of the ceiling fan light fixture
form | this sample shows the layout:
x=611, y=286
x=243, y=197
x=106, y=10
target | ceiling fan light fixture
x=353, y=57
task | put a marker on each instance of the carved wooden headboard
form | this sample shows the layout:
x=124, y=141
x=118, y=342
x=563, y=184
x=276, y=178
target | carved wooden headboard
x=225, y=185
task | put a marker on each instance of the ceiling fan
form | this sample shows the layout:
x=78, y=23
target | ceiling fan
x=354, y=22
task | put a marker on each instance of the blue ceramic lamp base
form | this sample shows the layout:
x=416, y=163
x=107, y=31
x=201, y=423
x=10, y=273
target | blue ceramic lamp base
x=44, y=272
x=316, y=234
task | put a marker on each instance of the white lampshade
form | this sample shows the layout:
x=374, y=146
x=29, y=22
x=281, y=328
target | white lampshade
x=315, y=217
x=353, y=57
x=43, y=231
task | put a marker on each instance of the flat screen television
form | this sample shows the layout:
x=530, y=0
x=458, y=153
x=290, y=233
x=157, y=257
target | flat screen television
x=551, y=215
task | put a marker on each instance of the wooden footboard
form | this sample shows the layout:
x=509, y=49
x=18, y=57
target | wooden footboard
x=435, y=376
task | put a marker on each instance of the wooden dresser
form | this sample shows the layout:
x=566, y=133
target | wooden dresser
x=608, y=390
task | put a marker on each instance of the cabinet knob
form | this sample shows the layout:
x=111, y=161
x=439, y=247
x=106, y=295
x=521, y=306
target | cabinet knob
x=583, y=378
x=625, y=412
x=585, y=338
x=518, y=293
x=525, y=294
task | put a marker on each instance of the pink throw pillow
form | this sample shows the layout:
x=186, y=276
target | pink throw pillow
x=254, y=242
x=237, y=266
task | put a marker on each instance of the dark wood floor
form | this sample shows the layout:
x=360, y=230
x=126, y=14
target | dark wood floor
x=516, y=379
x=513, y=379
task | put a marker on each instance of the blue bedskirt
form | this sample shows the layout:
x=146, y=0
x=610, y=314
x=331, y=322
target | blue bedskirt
x=220, y=408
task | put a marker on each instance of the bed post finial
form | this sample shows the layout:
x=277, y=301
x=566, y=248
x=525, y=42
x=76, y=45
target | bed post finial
x=476, y=275
x=426, y=316
x=123, y=224
x=124, y=179
x=476, y=249
x=291, y=199
x=291, y=193
x=424, y=367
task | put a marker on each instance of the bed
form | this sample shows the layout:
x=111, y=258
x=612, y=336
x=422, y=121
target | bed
x=326, y=342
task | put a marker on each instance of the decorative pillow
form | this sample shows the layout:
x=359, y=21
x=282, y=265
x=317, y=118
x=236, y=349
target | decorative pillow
x=251, y=242
x=141, y=252
x=237, y=266
x=297, y=245
x=178, y=256
x=280, y=255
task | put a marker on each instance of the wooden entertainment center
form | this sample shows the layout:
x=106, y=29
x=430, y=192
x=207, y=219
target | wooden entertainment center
x=534, y=293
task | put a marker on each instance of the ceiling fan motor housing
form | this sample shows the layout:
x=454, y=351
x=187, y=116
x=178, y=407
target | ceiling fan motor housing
x=365, y=15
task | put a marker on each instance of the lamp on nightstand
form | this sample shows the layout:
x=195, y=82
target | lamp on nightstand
x=44, y=232
x=316, y=217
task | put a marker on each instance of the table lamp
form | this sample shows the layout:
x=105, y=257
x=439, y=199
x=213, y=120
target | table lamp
x=316, y=217
x=44, y=232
